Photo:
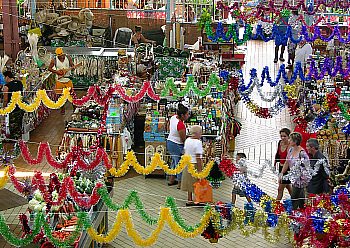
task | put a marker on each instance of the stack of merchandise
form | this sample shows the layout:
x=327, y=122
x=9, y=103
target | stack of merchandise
x=154, y=125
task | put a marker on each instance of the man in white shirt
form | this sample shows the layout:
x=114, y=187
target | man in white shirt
x=303, y=52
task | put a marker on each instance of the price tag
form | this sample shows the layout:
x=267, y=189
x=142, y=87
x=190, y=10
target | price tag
x=210, y=116
x=156, y=113
x=113, y=114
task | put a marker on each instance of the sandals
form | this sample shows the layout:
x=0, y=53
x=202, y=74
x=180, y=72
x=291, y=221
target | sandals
x=192, y=204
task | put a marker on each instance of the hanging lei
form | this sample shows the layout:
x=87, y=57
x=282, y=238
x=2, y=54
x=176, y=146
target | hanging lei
x=301, y=177
x=300, y=174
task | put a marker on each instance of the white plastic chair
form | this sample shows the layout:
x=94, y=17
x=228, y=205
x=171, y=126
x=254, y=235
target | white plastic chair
x=122, y=37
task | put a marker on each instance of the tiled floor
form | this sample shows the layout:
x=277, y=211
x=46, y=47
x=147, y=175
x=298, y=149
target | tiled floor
x=258, y=139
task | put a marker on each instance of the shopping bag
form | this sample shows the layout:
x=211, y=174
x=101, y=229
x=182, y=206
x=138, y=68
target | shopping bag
x=203, y=191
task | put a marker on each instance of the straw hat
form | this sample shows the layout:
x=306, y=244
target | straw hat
x=41, y=16
x=63, y=20
x=63, y=32
x=51, y=18
x=74, y=24
x=85, y=14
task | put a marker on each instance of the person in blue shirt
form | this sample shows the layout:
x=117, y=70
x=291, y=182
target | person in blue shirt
x=280, y=41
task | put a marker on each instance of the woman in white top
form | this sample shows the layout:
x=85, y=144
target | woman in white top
x=176, y=139
x=194, y=148
x=302, y=53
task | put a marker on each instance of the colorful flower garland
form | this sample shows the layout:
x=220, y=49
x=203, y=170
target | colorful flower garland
x=41, y=97
x=134, y=198
x=281, y=38
x=131, y=160
x=102, y=156
x=214, y=81
x=75, y=155
x=232, y=33
x=95, y=92
x=84, y=222
x=99, y=192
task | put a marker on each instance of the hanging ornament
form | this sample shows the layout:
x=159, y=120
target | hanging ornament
x=215, y=176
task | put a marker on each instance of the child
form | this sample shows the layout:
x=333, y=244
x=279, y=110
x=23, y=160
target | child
x=236, y=188
x=193, y=147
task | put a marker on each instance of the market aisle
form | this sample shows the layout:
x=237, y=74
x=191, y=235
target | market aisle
x=258, y=140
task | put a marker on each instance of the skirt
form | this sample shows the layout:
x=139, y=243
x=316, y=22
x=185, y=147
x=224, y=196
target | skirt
x=187, y=181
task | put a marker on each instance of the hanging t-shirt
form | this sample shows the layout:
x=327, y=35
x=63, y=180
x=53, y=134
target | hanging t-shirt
x=193, y=147
x=175, y=126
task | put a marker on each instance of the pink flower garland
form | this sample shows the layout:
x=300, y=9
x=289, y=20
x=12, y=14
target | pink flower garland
x=67, y=186
x=74, y=155
x=94, y=92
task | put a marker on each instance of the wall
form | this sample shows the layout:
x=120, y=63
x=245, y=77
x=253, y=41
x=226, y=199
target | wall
x=119, y=19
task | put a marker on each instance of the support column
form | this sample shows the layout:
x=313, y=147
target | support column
x=11, y=33
x=170, y=9
x=33, y=8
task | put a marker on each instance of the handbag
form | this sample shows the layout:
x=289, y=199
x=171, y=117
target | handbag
x=203, y=191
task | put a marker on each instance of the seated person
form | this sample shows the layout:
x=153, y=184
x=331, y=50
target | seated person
x=189, y=14
x=138, y=37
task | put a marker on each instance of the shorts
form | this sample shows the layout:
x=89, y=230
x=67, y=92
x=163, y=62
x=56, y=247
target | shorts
x=237, y=191
x=60, y=86
x=286, y=173
x=176, y=151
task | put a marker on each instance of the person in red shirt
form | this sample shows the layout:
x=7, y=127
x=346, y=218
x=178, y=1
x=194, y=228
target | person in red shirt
x=280, y=159
x=176, y=140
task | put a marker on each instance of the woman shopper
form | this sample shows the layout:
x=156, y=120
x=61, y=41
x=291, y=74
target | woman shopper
x=299, y=165
x=280, y=159
x=176, y=140
x=194, y=148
